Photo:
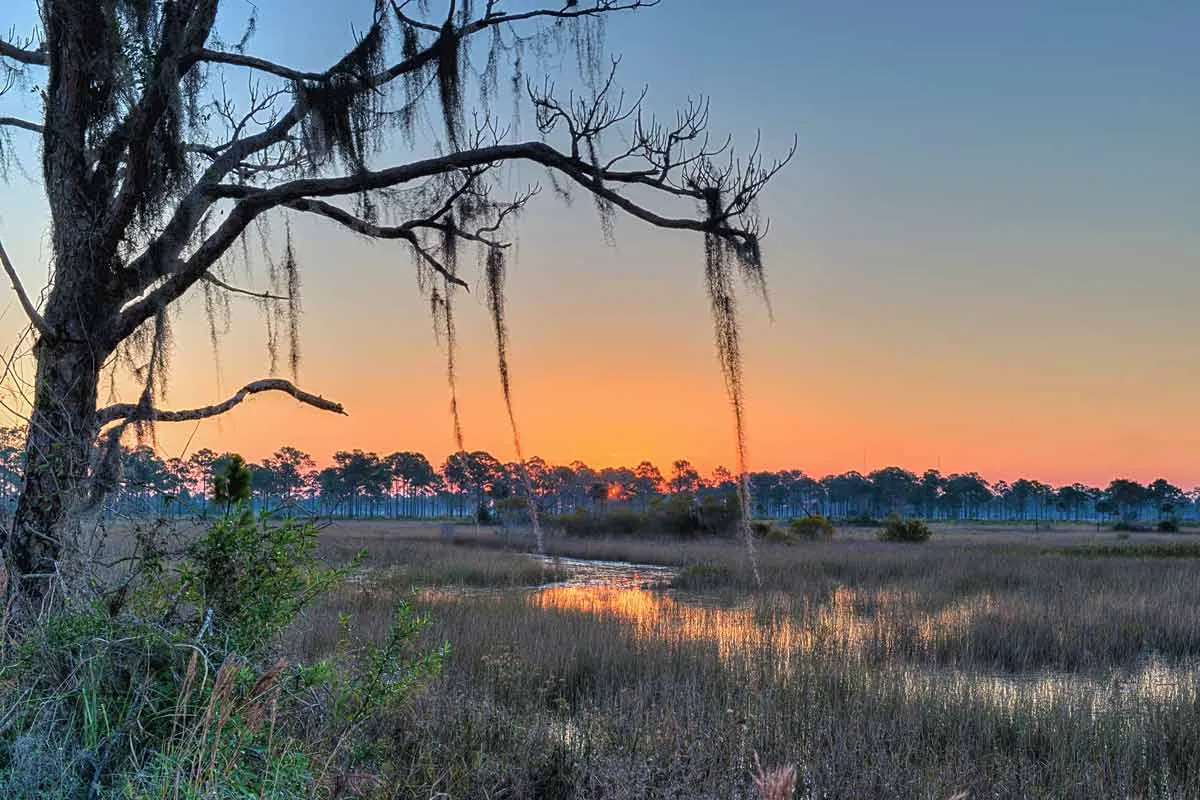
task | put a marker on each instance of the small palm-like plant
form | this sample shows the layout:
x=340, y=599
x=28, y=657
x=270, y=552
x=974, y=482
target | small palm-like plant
x=777, y=783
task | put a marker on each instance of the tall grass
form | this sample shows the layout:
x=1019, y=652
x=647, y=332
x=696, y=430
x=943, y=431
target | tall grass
x=881, y=671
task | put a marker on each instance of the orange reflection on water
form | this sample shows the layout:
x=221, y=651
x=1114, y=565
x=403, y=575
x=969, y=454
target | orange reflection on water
x=842, y=625
x=842, y=628
x=734, y=632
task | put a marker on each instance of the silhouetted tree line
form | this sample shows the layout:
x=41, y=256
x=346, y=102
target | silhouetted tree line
x=476, y=483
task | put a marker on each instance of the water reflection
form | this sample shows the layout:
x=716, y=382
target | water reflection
x=609, y=574
x=850, y=625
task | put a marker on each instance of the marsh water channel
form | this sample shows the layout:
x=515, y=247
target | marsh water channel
x=880, y=631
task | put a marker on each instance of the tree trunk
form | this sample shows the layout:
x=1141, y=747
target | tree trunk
x=62, y=430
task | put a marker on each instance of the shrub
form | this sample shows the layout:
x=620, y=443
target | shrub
x=618, y=522
x=175, y=686
x=811, y=528
x=1168, y=526
x=252, y=577
x=719, y=515
x=705, y=575
x=898, y=529
x=762, y=529
x=777, y=536
x=676, y=515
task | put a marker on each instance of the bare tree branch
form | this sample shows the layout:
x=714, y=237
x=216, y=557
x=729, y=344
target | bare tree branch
x=253, y=62
x=253, y=201
x=357, y=225
x=123, y=411
x=176, y=233
x=14, y=122
x=31, y=311
x=134, y=135
x=571, y=11
x=537, y=152
x=33, y=57
x=215, y=281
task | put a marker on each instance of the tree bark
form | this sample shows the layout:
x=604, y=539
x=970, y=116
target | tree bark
x=62, y=429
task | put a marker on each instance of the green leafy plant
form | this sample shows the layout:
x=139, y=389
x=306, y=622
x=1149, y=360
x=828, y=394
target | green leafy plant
x=250, y=577
x=183, y=691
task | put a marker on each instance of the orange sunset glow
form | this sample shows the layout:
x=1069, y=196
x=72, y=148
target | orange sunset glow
x=1008, y=291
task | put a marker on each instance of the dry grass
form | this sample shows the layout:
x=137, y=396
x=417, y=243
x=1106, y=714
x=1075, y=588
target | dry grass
x=989, y=662
x=977, y=665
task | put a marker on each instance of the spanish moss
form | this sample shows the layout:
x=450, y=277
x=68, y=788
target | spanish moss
x=719, y=279
x=489, y=79
x=443, y=314
x=248, y=32
x=748, y=253
x=157, y=337
x=451, y=369
x=449, y=75
x=494, y=273
x=495, y=269
x=341, y=120
x=292, y=276
x=270, y=321
x=604, y=208
x=210, y=315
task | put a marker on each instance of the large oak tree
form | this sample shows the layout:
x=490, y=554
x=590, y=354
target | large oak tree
x=156, y=175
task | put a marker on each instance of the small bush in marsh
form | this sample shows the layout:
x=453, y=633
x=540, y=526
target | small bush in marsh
x=679, y=515
x=705, y=575
x=812, y=528
x=898, y=529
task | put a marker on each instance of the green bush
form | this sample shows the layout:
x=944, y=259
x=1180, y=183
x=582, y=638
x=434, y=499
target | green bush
x=898, y=529
x=618, y=522
x=678, y=515
x=176, y=686
x=1168, y=526
x=812, y=528
x=252, y=576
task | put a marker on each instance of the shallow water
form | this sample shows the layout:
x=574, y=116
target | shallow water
x=843, y=627
x=609, y=574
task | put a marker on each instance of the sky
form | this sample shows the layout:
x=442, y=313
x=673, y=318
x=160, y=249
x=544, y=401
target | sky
x=984, y=256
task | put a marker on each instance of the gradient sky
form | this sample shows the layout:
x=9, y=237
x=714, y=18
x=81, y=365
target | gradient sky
x=985, y=256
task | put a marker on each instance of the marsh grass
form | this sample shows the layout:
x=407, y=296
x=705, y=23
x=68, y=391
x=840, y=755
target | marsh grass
x=971, y=666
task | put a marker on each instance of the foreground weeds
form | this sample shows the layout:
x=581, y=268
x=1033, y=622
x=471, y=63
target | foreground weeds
x=175, y=684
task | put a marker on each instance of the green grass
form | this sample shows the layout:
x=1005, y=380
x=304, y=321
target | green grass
x=1127, y=550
